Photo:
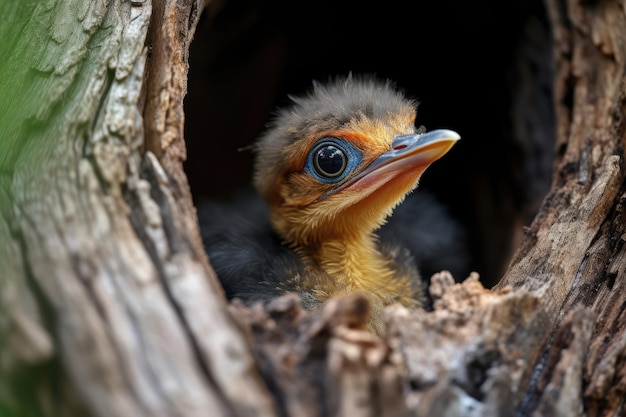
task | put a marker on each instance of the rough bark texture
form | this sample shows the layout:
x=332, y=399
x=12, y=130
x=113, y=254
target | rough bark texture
x=572, y=256
x=108, y=306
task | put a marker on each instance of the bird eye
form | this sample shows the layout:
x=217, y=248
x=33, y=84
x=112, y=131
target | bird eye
x=329, y=160
x=332, y=159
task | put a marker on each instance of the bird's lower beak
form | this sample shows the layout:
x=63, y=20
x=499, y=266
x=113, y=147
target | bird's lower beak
x=409, y=154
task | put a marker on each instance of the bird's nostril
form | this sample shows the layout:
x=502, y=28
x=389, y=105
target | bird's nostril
x=397, y=148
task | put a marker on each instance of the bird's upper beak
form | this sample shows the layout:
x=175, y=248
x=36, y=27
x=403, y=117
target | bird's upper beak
x=409, y=154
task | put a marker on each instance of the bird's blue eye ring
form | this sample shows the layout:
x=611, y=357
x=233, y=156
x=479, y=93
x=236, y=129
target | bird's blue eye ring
x=329, y=160
x=332, y=159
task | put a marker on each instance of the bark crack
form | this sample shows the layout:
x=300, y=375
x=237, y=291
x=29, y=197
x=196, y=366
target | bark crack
x=175, y=245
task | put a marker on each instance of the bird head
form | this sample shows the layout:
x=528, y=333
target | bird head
x=337, y=162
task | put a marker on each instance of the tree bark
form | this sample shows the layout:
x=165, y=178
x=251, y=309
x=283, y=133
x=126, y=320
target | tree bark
x=109, y=306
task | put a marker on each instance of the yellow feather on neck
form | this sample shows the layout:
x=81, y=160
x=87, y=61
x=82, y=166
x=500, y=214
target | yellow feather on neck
x=338, y=236
x=357, y=262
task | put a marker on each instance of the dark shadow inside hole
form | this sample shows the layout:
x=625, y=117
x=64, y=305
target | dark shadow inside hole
x=483, y=69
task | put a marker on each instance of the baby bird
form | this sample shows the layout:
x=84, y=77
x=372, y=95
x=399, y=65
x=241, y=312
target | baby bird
x=331, y=168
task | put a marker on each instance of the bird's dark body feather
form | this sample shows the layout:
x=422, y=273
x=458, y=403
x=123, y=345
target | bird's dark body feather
x=254, y=265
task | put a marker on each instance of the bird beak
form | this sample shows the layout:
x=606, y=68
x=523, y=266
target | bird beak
x=409, y=154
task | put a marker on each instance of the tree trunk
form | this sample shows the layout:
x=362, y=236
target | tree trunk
x=109, y=307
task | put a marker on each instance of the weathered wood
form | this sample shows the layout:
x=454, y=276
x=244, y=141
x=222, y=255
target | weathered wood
x=572, y=254
x=94, y=229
